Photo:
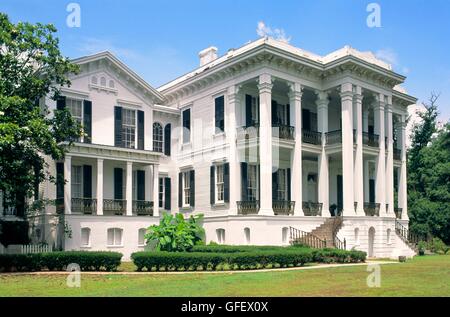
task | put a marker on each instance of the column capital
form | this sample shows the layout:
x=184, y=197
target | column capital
x=357, y=93
x=346, y=91
x=265, y=83
x=295, y=90
x=233, y=91
x=322, y=100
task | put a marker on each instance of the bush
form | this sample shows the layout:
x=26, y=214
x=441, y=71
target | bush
x=14, y=232
x=58, y=261
x=422, y=246
x=436, y=245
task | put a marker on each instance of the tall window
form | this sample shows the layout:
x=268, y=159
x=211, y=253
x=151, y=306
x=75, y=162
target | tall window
x=75, y=107
x=186, y=126
x=161, y=192
x=186, y=189
x=141, y=237
x=281, y=192
x=254, y=110
x=77, y=181
x=282, y=114
x=115, y=237
x=85, y=237
x=129, y=128
x=219, y=114
x=157, y=137
x=219, y=184
x=252, y=188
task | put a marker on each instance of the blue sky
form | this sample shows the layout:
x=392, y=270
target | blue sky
x=160, y=40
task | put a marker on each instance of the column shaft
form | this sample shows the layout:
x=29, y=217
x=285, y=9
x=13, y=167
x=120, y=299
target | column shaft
x=155, y=190
x=295, y=96
x=231, y=126
x=129, y=189
x=100, y=187
x=323, y=182
x=358, y=173
x=68, y=184
x=390, y=161
x=380, y=182
x=403, y=192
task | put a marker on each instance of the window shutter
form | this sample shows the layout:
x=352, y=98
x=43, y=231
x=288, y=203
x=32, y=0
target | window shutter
x=59, y=180
x=118, y=183
x=167, y=193
x=118, y=126
x=288, y=177
x=212, y=183
x=275, y=120
x=226, y=182
x=219, y=114
x=60, y=102
x=180, y=190
x=275, y=185
x=141, y=185
x=248, y=110
x=187, y=126
x=288, y=114
x=87, y=181
x=140, y=129
x=244, y=182
x=192, y=187
x=87, y=121
x=167, y=139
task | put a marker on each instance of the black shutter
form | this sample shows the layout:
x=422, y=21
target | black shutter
x=118, y=183
x=244, y=181
x=118, y=126
x=87, y=121
x=306, y=120
x=167, y=193
x=226, y=182
x=141, y=185
x=274, y=108
x=180, y=190
x=212, y=182
x=60, y=102
x=275, y=185
x=248, y=110
x=288, y=178
x=219, y=114
x=167, y=139
x=288, y=114
x=59, y=180
x=192, y=187
x=87, y=181
x=186, y=126
x=140, y=129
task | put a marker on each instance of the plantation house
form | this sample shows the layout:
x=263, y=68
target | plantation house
x=270, y=142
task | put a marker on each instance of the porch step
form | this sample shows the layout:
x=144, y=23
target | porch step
x=327, y=230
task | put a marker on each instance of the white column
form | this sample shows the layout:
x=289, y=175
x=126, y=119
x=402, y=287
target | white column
x=390, y=160
x=265, y=143
x=99, y=187
x=358, y=172
x=347, y=149
x=380, y=181
x=155, y=190
x=402, y=189
x=322, y=123
x=295, y=96
x=68, y=184
x=231, y=126
x=129, y=189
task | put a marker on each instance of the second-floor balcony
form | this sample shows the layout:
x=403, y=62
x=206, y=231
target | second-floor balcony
x=284, y=132
x=372, y=209
x=251, y=131
x=248, y=207
x=371, y=139
x=311, y=137
x=397, y=154
x=312, y=208
x=84, y=205
x=283, y=207
x=333, y=137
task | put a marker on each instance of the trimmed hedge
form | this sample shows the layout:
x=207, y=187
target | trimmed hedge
x=242, y=248
x=240, y=258
x=58, y=261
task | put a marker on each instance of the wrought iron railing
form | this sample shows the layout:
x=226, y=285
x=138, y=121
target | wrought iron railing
x=406, y=235
x=339, y=244
x=306, y=238
x=398, y=213
x=282, y=131
x=248, y=132
x=397, y=154
x=333, y=137
x=248, y=207
x=311, y=137
x=283, y=207
x=59, y=204
x=143, y=207
x=117, y=206
x=372, y=209
x=312, y=209
x=84, y=205
x=371, y=139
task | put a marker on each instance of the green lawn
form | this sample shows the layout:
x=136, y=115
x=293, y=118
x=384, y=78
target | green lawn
x=422, y=276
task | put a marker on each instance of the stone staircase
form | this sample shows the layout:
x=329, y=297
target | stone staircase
x=322, y=236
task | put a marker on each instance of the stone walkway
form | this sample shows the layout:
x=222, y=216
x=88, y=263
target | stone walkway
x=313, y=267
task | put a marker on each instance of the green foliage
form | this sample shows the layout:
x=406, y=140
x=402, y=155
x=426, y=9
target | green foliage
x=422, y=246
x=58, y=261
x=436, y=245
x=31, y=67
x=13, y=232
x=240, y=258
x=175, y=234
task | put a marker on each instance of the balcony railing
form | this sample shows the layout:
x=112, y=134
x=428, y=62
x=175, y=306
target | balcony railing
x=306, y=238
x=248, y=132
x=84, y=205
x=248, y=207
x=283, y=207
x=59, y=204
x=312, y=209
x=311, y=137
x=333, y=137
x=397, y=154
x=143, y=207
x=398, y=213
x=370, y=139
x=282, y=131
x=117, y=206
x=372, y=209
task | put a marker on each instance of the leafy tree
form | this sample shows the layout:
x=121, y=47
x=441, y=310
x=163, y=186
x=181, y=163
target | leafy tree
x=31, y=68
x=176, y=234
x=429, y=176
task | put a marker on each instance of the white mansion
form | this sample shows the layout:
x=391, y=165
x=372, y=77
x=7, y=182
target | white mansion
x=269, y=142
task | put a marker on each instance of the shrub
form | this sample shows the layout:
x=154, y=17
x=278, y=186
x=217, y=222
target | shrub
x=436, y=245
x=421, y=246
x=58, y=261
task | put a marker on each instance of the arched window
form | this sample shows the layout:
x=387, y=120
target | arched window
x=247, y=235
x=141, y=237
x=220, y=235
x=356, y=236
x=94, y=80
x=115, y=237
x=85, y=237
x=157, y=137
x=388, y=236
x=103, y=81
x=284, y=235
x=111, y=84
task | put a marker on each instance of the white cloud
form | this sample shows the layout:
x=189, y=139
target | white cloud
x=388, y=55
x=278, y=34
x=95, y=45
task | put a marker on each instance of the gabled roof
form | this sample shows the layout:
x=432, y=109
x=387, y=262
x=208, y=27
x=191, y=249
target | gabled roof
x=159, y=98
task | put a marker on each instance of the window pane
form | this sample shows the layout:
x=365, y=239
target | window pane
x=141, y=239
x=161, y=193
x=128, y=128
x=110, y=236
x=76, y=182
x=118, y=237
x=85, y=232
x=157, y=137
